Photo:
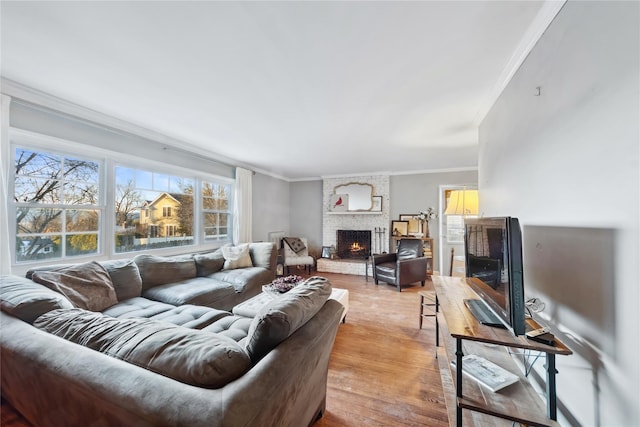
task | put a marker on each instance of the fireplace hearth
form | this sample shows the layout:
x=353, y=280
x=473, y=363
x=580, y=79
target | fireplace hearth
x=353, y=244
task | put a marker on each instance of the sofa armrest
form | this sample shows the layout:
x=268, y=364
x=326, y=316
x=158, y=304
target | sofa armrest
x=297, y=367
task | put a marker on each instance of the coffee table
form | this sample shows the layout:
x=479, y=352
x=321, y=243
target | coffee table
x=252, y=306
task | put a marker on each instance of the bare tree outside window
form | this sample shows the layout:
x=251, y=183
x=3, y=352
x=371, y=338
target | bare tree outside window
x=46, y=187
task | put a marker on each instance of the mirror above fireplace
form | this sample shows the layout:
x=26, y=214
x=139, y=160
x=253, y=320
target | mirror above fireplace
x=360, y=195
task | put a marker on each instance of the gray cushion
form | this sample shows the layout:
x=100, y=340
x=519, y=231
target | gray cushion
x=203, y=291
x=243, y=279
x=209, y=263
x=157, y=270
x=125, y=277
x=261, y=253
x=193, y=357
x=26, y=300
x=234, y=327
x=277, y=320
x=86, y=285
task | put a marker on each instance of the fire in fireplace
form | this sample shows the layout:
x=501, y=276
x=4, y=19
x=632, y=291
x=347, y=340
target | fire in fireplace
x=355, y=244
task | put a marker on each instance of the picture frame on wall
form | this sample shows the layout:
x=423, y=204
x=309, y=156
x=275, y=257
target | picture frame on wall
x=377, y=204
x=339, y=203
x=399, y=228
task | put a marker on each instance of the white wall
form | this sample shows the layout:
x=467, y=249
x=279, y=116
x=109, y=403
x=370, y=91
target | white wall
x=566, y=163
x=306, y=213
x=271, y=197
x=413, y=193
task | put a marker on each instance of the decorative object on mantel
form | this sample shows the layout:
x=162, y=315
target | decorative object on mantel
x=377, y=204
x=360, y=196
x=339, y=202
x=424, y=217
x=282, y=284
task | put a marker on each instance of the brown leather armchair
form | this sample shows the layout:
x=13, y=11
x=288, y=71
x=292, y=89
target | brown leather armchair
x=407, y=265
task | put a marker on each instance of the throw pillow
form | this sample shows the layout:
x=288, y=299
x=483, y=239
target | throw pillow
x=26, y=300
x=296, y=244
x=87, y=286
x=236, y=257
x=187, y=355
x=125, y=277
x=284, y=315
x=209, y=263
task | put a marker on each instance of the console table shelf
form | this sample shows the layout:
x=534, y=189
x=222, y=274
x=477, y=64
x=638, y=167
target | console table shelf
x=518, y=402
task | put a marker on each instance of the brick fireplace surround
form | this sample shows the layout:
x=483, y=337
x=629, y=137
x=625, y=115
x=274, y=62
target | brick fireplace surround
x=332, y=222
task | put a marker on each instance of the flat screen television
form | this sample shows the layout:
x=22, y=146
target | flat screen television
x=493, y=257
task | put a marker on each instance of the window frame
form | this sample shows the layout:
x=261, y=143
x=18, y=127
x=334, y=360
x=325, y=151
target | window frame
x=108, y=161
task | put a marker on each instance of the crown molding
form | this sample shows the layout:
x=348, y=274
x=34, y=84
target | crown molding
x=41, y=99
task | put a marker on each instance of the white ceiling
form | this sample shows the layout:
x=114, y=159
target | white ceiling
x=298, y=89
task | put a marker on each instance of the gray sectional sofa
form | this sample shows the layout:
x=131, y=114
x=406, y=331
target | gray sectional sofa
x=151, y=342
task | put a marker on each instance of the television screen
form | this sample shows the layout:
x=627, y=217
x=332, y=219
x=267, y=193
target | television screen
x=493, y=256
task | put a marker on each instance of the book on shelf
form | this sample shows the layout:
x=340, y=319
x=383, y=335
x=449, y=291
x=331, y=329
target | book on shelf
x=486, y=373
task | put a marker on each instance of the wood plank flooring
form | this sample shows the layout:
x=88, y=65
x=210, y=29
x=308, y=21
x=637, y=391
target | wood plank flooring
x=383, y=370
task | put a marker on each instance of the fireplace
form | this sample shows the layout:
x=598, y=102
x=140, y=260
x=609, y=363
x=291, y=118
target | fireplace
x=354, y=244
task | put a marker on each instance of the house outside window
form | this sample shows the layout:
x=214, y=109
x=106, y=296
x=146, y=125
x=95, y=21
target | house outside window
x=153, y=209
x=57, y=205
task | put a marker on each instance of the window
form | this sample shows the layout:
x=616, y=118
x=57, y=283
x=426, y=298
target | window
x=216, y=212
x=57, y=205
x=153, y=210
x=60, y=203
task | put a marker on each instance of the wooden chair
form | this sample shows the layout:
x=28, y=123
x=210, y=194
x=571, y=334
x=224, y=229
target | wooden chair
x=429, y=299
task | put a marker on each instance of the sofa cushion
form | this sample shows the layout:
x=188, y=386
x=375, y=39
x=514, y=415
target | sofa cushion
x=203, y=291
x=190, y=356
x=285, y=314
x=157, y=270
x=209, y=263
x=138, y=307
x=242, y=279
x=125, y=277
x=262, y=253
x=236, y=257
x=86, y=285
x=234, y=327
x=26, y=300
x=189, y=316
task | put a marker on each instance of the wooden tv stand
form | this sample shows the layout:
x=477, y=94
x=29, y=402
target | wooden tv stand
x=518, y=402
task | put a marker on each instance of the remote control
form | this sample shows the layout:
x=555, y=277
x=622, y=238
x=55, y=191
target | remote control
x=537, y=332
